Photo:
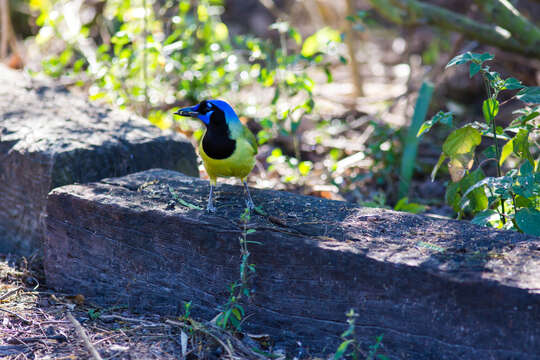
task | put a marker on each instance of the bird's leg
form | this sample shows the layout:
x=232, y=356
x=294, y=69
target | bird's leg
x=249, y=201
x=210, y=207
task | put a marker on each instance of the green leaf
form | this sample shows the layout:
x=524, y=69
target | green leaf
x=347, y=332
x=305, y=167
x=507, y=149
x=477, y=196
x=526, y=168
x=521, y=145
x=529, y=94
x=319, y=41
x=486, y=217
x=474, y=68
x=460, y=59
x=452, y=196
x=512, y=84
x=498, y=184
x=342, y=349
x=483, y=57
x=295, y=35
x=462, y=141
x=523, y=202
x=490, y=152
x=468, y=56
x=490, y=108
x=414, y=208
x=528, y=221
x=437, y=166
x=442, y=117
x=250, y=231
x=236, y=312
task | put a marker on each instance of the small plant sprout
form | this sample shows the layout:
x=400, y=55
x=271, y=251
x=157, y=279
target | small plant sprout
x=233, y=313
x=350, y=348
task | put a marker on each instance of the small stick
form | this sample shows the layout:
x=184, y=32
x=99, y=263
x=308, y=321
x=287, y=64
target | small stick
x=9, y=293
x=17, y=315
x=82, y=334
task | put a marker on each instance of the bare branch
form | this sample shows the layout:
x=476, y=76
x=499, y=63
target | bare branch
x=504, y=14
x=413, y=12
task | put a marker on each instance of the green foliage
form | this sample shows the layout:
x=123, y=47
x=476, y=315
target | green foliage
x=232, y=313
x=384, y=146
x=445, y=118
x=134, y=57
x=349, y=347
x=152, y=56
x=510, y=199
x=284, y=69
x=404, y=205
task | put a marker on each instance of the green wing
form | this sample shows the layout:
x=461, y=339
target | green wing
x=250, y=138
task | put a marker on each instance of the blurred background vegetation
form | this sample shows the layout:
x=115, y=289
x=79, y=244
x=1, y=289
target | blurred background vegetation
x=335, y=90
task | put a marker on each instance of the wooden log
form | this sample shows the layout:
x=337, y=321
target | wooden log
x=436, y=289
x=50, y=137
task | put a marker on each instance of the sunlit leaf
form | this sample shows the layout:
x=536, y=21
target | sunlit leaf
x=202, y=13
x=486, y=217
x=221, y=31
x=507, y=149
x=340, y=353
x=521, y=145
x=295, y=35
x=462, y=141
x=490, y=108
x=404, y=205
x=442, y=117
x=305, y=167
x=319, y=41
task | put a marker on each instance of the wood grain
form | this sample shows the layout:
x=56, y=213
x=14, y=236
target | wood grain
x=436, y=289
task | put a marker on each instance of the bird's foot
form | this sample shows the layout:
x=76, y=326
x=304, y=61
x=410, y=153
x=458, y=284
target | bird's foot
x=211, y=208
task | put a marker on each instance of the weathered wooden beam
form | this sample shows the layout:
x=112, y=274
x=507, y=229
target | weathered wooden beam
x=436, y=289
x=50, y=137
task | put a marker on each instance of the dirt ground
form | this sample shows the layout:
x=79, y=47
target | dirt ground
x=39, y=323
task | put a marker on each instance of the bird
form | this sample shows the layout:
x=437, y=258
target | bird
x=227, y=148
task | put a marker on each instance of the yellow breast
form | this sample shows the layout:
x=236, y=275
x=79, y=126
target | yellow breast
x=239, y=164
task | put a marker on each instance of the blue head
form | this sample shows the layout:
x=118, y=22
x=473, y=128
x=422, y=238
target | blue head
x=211, y=113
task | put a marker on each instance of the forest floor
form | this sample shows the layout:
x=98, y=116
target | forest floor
x=39, y=323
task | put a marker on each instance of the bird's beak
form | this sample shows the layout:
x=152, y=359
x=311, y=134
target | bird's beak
x=188, y=111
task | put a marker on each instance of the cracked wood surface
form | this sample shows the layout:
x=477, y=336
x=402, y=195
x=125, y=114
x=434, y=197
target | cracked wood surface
x=436, y=289
x=50, y=137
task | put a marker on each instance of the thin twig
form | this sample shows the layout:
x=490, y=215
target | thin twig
x=9, y=293
x=82, y=334
x=17, y=315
